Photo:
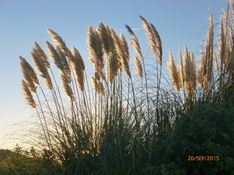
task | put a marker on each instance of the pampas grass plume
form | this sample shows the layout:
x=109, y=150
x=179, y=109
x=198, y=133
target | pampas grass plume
x=28, y=96
x=138, y=68
x=174, y=73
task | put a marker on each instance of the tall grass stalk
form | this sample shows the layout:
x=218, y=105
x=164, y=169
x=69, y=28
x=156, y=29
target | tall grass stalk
x=118, y=119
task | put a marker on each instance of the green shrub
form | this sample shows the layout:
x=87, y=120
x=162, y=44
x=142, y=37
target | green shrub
x=205, y=130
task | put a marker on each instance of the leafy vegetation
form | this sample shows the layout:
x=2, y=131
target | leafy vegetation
x=131, y=123
x=23, y=162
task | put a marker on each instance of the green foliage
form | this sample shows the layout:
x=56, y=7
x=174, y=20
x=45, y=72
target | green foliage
x=21, y=162
x=205, y=130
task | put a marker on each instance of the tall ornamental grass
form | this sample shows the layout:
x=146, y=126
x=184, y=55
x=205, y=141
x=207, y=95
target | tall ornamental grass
x=114, y=121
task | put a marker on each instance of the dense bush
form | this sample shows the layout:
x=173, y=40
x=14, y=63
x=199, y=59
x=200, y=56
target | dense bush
x=205, y=130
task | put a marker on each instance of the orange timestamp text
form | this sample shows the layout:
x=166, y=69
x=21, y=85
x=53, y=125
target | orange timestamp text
x=203, y=158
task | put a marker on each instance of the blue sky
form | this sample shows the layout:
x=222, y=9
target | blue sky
x=23, y=22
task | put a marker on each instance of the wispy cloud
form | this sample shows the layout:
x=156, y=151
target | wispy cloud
x=126, y=29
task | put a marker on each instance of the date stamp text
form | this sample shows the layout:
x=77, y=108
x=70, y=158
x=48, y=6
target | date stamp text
x=203, y=158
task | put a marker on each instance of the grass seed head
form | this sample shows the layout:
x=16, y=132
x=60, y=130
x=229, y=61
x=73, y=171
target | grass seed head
x=27, y=69
x=42, y=55
x=158, y=44
x=59, y=42
x=67, y=89
x=28, y=96
x=112, y=66
x=138, y=68
x=42, y=69
x=174, y=73
x=54, y=55
x=135, y=43
x=98, y=86
x=78, y=67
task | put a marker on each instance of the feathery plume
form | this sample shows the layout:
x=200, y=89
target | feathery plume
x=48, y=81
x=42, y=54
x=59, y=42
x=96, y=50
x=98, y=86
x=125, y=47
x=118, y=49
x=201, y=70
x=112, y=66
x=39, y=64
x=209, y=51
x=66, y=71
x=158, y=44
x=189, y=71
x=181, y=69
x=78, y=67
x=66, y=87
x=94, y=41
x=135, y=43
x=174, y=73
x=42, y=69
x=223, y=45
x=151, y=38
x=154, y=39
x=27, y=69
x=107, y=40
x=98, y=68
x=28, y=96
x=216, y=62
x=193, y=72
x=79, y=58
x=54, y=56
x=138, y=68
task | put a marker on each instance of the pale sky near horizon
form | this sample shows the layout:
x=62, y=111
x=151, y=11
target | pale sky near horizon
x=25, y=21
